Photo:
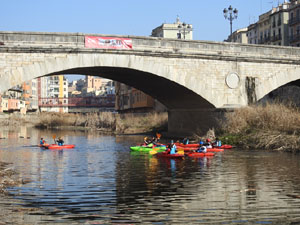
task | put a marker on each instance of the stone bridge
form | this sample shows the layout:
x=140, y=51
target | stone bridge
x=195, y=80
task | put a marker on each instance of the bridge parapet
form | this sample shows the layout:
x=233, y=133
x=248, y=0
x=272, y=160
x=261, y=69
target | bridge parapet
x=153, y=46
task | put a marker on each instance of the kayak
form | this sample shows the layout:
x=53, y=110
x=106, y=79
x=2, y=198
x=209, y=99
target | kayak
x=180, y=145
x=200, y=154
x=167, y=155
x=224, y=146
x=188, y=149
x=53, y=146
x=43, y=145
x=147, y=149
x=215, y=150
x=187, y=145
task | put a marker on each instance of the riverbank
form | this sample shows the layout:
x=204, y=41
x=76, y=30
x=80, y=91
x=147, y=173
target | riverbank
x=11, y=213
x=106, y=122
x=270, y=127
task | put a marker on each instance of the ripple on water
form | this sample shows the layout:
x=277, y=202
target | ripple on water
x=100, y=181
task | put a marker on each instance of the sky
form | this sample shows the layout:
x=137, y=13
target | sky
x=130, y=17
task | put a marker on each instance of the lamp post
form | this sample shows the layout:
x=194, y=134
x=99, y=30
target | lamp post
x=230, y=14
x=184, y=29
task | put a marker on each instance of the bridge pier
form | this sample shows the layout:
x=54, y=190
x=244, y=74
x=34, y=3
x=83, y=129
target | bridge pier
x=182, y=122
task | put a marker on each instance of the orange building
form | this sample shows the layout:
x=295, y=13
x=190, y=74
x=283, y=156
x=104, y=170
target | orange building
x=93, y=83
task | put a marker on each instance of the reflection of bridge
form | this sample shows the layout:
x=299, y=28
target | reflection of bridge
x=193, y=79
x=100, y=102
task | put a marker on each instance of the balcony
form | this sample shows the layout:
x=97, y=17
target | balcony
x=294, y=38
x=277, y=37
x=264, y=40
x=294, y=20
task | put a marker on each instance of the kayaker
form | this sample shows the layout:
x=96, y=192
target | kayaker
x=202, y=149
x=146, y=141
x=60, y=141
x=207, y=144
x=173, y=148
x=154, y=140
x=217, y=143
x=185, y=141
x=42, y=141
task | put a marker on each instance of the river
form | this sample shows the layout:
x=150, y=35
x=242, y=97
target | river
x=101, y=182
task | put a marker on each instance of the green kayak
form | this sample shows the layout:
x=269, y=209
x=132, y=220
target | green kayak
x=147, y=149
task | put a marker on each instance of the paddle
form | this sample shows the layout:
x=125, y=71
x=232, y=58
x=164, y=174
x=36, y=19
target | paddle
x=153, y=151
x=54, y=136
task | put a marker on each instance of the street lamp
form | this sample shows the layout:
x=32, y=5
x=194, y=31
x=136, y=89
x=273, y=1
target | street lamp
x=184, y=29
x=233, y=14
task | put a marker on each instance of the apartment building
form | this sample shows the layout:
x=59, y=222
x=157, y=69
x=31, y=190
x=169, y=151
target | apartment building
x=252, y=34
x=12, y=101
x=294, y=23
x=30, y=95
x=93, y=83
x=279, y=28
x=53, y=94
x=264, y=28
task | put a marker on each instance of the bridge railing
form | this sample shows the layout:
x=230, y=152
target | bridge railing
x=103, y=101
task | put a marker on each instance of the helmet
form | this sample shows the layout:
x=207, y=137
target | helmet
x=145, y=138
x=207, y=140
x=201, y=143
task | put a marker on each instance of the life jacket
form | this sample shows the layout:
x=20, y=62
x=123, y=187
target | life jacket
x=173, y=149
x=202, y=149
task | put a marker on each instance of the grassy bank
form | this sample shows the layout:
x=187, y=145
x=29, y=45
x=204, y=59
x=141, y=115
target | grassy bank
x=106, y=121
x=271, y=126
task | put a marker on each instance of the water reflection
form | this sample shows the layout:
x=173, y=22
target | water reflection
x=102, y=181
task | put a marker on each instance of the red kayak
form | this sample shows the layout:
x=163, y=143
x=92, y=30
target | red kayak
x=180, y=145
x=224, y=146
x=187, y=145
x=53, y=146
x=168, y=155
x=215, y=150
x=188, y=149
x=200, y=154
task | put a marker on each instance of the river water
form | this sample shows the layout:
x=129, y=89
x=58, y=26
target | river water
x=102, y=182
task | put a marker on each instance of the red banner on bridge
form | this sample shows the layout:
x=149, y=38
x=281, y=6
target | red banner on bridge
x=108, y=42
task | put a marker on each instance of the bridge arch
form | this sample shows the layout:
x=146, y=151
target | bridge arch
x=277, y=77
x=155, y=79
